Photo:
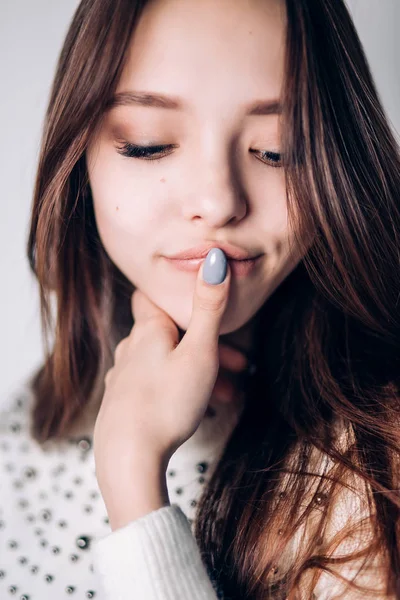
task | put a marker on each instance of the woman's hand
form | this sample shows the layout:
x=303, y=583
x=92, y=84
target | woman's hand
x=158, y=390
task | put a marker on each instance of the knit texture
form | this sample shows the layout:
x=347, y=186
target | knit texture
x=161, y=553
x=55, y=537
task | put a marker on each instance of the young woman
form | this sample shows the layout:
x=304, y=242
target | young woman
x=250, y=131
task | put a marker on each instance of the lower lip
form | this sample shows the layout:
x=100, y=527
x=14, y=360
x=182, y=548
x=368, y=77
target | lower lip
x=240, y=268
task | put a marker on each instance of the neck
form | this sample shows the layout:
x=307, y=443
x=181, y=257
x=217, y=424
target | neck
x=242, y=338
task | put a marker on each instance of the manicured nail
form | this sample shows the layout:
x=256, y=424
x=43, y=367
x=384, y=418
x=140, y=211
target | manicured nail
x=215, y=266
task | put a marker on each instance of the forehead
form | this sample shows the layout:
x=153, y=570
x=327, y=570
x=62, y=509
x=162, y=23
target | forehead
x=210, y=52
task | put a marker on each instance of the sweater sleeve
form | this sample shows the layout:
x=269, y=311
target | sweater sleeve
x=154, y=557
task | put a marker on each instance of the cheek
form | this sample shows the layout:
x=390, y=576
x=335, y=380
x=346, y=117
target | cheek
x=272, y=209
x=125, y=212
x=125, y=207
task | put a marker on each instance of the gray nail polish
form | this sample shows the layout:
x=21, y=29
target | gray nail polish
x=215, y=266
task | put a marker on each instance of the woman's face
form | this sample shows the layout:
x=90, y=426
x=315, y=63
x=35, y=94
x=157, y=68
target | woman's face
x=216, y=183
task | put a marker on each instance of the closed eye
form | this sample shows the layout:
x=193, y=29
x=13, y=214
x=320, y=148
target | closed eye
x=144, y=152
x=152, y=153
x=273, y=159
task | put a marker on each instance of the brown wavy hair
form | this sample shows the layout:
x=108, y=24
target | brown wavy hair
x=321, y=418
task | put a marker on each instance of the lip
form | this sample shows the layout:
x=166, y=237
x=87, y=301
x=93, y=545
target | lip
x=239, y=268
x=201, y=251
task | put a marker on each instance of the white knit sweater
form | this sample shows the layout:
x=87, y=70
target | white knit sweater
x=55, y=539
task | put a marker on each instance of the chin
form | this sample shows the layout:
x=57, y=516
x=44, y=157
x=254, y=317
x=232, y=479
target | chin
x=228, y=325
x=180, y=313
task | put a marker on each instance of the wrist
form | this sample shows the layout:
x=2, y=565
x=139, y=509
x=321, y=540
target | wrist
x=138, y=495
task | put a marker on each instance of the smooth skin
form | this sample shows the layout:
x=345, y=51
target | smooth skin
x=219, y=57
x=156, y=396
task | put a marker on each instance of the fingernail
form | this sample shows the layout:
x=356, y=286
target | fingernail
x=215, y=266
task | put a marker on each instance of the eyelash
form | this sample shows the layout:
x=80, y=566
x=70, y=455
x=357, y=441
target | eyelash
x=144, y=152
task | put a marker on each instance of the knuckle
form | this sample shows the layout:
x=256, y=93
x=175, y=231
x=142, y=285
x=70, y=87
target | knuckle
x=155, y=321
x=211, y=303
x=143, y=329
x=152, y=326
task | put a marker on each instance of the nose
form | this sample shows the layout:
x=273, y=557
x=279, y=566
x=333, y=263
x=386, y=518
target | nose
x=215, y=195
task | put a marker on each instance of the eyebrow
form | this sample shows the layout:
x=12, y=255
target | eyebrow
x=156, y=100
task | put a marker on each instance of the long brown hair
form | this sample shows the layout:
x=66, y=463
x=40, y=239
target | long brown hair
x=321, y=413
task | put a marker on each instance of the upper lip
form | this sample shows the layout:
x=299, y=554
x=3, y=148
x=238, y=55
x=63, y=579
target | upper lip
x=201, y=251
